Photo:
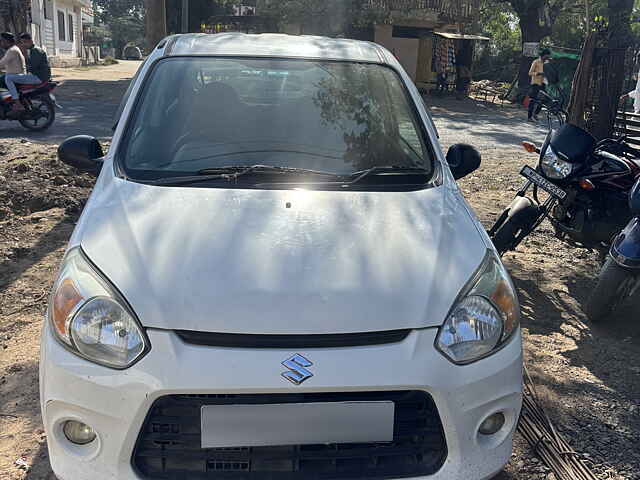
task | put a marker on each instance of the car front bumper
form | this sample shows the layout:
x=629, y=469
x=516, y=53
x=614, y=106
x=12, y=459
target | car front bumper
x=115, y=403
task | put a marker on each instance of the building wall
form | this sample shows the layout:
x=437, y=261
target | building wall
x=425, y=59
x=47, y=26
x=406, y=50
x=70, y=45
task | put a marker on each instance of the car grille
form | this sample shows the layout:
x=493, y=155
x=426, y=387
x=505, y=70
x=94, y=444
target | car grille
x=234, y=340
x=168, y=446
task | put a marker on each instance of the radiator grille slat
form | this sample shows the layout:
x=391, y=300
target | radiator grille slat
x=168, y=446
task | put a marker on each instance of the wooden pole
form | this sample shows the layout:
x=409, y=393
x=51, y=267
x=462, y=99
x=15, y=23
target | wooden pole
x=587, y=10
x=185, y=16
x=155, y=21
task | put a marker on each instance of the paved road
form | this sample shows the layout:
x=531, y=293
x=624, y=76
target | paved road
x=484, y=126
x=89, y=98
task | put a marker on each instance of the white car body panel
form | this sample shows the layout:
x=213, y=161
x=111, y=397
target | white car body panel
x=116, y=402
x=334, y=262
x=240, y=261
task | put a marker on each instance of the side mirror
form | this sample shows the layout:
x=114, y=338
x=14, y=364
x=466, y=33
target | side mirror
x=463, y=159
x=634, y=199
x=82, y=152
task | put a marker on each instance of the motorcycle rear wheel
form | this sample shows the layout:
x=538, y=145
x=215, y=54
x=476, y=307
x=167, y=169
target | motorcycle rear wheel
x=48, y=111
x=614, y=285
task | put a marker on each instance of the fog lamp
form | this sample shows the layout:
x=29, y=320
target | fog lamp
x=492, y=424
x=78, y=432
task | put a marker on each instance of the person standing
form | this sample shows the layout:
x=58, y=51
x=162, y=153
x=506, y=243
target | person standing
x=634, y=95
x=463, y=81
x=536, y=72
x=37, y=60
x=13, y=64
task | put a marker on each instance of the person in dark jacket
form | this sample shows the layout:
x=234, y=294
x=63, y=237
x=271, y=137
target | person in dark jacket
x=37, y=60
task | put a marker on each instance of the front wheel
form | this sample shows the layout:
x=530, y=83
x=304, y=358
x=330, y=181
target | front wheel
x=614, y=286
x=517, y=223
x=40, y=115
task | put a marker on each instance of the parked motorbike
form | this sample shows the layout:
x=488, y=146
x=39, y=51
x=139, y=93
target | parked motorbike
x=619, y=278
x=39, y=103
x=587, y=183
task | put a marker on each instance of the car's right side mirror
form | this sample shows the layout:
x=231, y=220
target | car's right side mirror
x=634, y=199
x=463, y=159
x=82, y=152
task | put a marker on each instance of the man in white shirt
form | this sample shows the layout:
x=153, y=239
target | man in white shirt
x=635, y=96
x=12, y=63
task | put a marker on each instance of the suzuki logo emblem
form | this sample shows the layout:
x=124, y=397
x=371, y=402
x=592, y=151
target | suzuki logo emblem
x=297, y=372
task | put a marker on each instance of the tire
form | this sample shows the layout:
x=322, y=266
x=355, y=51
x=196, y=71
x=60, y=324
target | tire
x=39, y=125
x=613, y=287
x=506, y=235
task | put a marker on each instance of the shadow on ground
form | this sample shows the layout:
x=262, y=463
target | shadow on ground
x=88, y=108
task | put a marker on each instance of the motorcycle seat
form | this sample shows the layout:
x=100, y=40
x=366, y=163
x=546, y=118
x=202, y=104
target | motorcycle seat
x=30, y=86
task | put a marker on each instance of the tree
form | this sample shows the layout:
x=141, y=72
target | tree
x=326, y=17
x=13, y=15
x=498, y=59
x=619, y=39
x=155, y=22
x=125, y=20
x=536, y=19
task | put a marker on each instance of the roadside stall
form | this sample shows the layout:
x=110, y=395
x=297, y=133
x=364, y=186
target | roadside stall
x=452, y=61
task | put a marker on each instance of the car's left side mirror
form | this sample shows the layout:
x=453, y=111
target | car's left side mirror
x=463, y=159
x=634, y=199
x=82, y=152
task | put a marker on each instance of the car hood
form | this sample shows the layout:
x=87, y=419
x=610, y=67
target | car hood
x=282, y=261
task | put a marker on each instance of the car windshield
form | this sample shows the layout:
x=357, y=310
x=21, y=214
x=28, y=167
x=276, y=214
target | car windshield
x=202, y=113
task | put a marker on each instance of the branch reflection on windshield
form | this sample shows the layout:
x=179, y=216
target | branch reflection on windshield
x=336, y=117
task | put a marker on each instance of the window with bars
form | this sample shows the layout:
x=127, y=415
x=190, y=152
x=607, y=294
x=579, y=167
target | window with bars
x=47, y=8
x=61, y=27
x=70, y=21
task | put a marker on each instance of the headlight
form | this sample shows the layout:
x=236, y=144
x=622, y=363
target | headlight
x=484, y=318
x=554, y=167
x=91, y=319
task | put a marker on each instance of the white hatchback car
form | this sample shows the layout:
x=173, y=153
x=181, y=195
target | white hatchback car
x=277, y=277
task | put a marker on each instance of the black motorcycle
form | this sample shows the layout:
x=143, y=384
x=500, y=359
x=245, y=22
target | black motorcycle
x=586, y=184
x=619, y=278
x=39, y=106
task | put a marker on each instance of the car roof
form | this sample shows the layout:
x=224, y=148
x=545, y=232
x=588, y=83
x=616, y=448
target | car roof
x=274, y=45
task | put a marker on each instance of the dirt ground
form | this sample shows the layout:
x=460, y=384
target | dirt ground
x=588, y=377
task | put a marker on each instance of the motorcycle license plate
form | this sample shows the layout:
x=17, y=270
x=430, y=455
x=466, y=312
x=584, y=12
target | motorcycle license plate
x=533, y=176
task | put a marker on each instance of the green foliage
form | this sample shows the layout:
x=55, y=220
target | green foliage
x=200, y=11
x=97, y=35
x=123, y=18
x=498, y=59
x=326, y=17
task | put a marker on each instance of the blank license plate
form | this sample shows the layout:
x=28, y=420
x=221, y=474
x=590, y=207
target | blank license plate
x=296, y=424
x=530, y=174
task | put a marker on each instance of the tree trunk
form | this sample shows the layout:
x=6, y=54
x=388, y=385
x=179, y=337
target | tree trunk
x=618, y=41
x=582, y=83
x=155, y=21
x=531, y=31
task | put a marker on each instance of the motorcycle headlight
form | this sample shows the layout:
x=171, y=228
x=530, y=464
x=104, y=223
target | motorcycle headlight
x=554, y=167
x=91, y=319
x=484, y=318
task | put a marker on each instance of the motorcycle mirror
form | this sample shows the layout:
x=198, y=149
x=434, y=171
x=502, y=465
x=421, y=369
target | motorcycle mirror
x=82, y=152
x=634, y=199
x=463, y=159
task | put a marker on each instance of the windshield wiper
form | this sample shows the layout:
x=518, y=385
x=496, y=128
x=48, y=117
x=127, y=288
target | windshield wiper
x=231, y=173
x=363, y=174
